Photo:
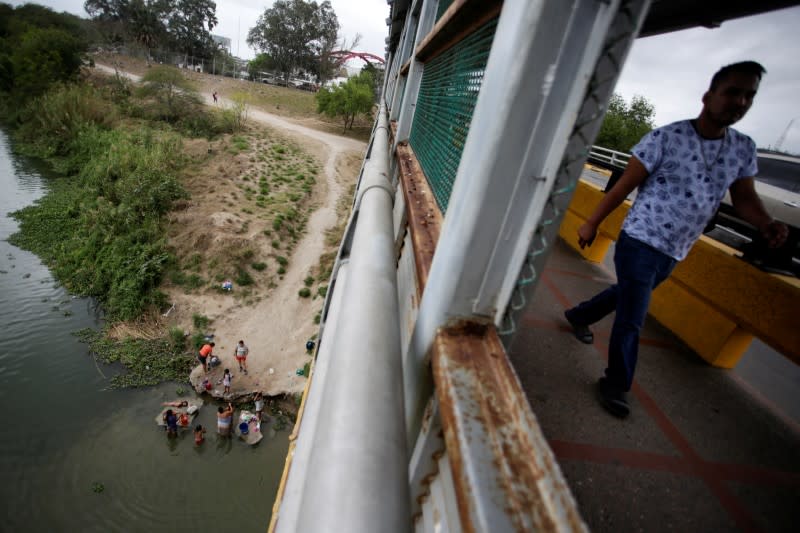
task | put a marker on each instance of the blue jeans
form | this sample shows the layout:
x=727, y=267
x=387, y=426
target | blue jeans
x=640, y=269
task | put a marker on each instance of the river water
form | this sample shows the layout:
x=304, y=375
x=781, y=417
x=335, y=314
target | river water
x=66, y=433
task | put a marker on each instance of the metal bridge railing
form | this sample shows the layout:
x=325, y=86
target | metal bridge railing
x=610, y=157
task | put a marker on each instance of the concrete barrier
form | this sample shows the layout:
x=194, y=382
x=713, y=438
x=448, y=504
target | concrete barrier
x=714, y=302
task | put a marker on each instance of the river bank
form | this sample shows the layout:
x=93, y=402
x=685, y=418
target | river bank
x=274, y=320
x=81, y=456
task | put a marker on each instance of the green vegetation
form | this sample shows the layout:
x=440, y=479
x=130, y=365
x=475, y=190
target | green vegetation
x=349, y=99
x=38, y=49
x=100, y=229
x=304, y=292
x=183, y=25
x=625, y=124
x=294, y=34
x=200, y=322
x=147, y=362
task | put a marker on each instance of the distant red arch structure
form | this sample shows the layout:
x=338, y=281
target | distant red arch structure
x=343, y=55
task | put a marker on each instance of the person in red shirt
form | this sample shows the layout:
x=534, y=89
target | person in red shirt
x=204, y=354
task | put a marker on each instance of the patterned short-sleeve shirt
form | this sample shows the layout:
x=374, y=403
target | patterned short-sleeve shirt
x=688, y=178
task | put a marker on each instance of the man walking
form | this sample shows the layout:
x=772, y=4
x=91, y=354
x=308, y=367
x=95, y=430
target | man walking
x=682, y=171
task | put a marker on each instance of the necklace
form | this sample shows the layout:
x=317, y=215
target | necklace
x=719, y=151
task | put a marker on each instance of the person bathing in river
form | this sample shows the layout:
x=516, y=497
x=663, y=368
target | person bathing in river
x=259, y=401
x=224, y=419
x=199, y=434
x=175, y=403
x=172, y=423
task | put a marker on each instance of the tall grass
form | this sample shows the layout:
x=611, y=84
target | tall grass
x=100, y=228
x=54, y=120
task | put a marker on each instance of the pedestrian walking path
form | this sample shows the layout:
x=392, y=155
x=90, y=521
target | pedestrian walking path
x=699, y=451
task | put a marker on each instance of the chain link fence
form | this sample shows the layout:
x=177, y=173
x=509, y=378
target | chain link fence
x=590, y=117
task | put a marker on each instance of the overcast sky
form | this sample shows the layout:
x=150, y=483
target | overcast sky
x=671, y=70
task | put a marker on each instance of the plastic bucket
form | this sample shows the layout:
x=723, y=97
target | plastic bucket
x=244, y=428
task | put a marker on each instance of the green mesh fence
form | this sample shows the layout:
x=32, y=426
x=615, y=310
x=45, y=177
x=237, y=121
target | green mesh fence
x=443, y=5
x=447, y=96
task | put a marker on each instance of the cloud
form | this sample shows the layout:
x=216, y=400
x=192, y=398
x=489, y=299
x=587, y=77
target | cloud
x=673, y=71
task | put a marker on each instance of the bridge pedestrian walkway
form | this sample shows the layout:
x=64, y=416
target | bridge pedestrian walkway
x=699, y=451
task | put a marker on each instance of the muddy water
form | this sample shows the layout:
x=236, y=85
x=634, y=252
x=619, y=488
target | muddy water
x=65, y=434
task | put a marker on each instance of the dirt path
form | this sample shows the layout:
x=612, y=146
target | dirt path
x=277, y=328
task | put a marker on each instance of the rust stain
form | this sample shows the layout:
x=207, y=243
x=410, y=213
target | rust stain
x=472, y=372
x=424, y=216
x=392, y=131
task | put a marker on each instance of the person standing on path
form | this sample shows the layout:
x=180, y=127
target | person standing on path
x=204, y=354
x=682, y=171
x=226, y=382
x=214, y=95
x=240, y=353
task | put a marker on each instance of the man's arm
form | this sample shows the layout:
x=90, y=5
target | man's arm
x=635, y=173
x=749, y=206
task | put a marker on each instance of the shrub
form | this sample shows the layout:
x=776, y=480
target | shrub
x=234, y=117
x=200, y=322
x=282, y=260
x=101, y=231
x=281, y=270
x=177, y=338
x=54, y=121
x=304, y=292
x=243, y=277
x=194, y=281
x=198, y=340
x=308, y=281
x=322, y=290
x=259, y=266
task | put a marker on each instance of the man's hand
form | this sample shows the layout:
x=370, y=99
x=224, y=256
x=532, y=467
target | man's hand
x=586, y=234
x=774, y=233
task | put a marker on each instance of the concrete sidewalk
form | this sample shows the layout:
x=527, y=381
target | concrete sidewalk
x=699, y=451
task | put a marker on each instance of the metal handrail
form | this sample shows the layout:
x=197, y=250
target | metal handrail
x=610, y=157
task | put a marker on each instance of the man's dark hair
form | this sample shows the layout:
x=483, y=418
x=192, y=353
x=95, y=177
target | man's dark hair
x=744, y=67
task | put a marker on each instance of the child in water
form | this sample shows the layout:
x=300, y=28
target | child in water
x=226, y=381
x=199, y=434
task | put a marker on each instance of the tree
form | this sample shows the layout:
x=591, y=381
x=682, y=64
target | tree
x=189, y=24
x=625, y=124
x=170, y=89
x=295, y=33
x=38, y=47
x=145, y=25
x=376, y=74
x=261, y=63
x=43, y=57
x=348, y=99
x=186, y=24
